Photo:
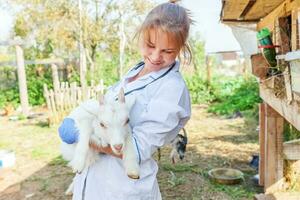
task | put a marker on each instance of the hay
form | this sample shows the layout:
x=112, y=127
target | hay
x=279, y=87
x=292, y=175
x=277, y=84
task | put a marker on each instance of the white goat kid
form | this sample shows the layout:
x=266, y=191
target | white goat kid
x=102, y=123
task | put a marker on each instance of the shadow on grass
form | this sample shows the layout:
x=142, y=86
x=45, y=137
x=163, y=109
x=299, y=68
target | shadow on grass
x=236, y=139
x=49, y=183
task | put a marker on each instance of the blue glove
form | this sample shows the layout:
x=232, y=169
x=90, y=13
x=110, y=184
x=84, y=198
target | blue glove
x=68, y=132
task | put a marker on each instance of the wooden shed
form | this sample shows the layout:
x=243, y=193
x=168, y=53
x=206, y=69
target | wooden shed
x=279, y=90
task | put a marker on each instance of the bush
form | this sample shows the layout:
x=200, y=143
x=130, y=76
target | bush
x=35, y=81
x=290, y=132
x=8, y=86
x=9, y=96
x=234, y=95
x=198, y=89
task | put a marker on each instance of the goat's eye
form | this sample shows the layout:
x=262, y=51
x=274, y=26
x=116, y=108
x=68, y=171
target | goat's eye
x=102, y=125
x=127, y=121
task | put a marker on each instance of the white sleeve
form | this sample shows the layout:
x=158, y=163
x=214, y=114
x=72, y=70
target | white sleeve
x=166, y=113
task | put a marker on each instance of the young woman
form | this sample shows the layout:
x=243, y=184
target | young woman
x=161, y=109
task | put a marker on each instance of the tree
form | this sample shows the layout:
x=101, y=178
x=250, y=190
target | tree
x=198, y=49
x=55, y=26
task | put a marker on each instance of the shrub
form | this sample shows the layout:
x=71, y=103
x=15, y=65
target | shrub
x=198, y=89
x=234, y=95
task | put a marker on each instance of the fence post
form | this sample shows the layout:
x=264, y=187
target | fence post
x=55, y=77
x=22, y=80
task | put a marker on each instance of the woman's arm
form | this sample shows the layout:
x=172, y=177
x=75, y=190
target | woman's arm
x=166, y=113
x=69, y=134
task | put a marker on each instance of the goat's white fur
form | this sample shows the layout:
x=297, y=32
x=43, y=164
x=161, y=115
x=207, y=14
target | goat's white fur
x=103, y=123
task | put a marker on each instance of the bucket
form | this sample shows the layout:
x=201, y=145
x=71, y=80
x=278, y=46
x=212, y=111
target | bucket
x=7, y=158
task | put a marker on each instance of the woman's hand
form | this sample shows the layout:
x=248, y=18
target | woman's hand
x=106, y=150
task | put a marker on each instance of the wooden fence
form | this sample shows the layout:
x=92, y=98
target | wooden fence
x=63, y=99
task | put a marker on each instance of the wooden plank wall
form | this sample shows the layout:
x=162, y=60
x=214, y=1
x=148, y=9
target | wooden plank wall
x=273, y=147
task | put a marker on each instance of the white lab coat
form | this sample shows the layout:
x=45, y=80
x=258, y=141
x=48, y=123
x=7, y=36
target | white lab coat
x=161, y=109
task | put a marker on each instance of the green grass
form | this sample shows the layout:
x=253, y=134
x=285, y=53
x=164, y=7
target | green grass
x=176, y=180
x=58, y=161
x=179, y=171
x=179, y=167
x=234, y=191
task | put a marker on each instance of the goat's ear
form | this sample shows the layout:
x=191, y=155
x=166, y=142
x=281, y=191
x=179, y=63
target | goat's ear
x=130, y=102
x=121, y=96
x=101, y=99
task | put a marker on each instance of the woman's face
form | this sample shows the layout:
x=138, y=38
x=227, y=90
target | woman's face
x=159, y=50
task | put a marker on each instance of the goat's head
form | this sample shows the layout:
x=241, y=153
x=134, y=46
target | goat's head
x=114, y=121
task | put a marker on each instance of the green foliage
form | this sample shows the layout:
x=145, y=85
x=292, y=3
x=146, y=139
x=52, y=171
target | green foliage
x=175, y=181
x=35, y=81
x=290, y=132
x=9, y=96
x=106, y=68
x=198, y=50
x=198, y=89
x=8, y=86
x=235, y=192
x=236, y=94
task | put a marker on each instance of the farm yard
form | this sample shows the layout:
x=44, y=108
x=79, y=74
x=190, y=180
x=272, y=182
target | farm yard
x=214, y=141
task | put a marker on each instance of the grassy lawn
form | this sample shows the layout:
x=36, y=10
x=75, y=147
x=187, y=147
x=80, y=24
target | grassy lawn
x=40, y=173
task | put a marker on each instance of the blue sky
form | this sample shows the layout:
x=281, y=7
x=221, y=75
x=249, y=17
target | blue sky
x=217, y=36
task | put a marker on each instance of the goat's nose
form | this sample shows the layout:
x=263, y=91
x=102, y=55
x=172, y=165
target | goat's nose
x=118, y=147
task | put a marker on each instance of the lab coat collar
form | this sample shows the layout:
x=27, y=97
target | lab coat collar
x=159, y=73
x=144, y=81
x=134, y=70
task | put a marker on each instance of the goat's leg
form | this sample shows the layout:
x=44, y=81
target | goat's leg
x=130, y=160
x=82, y=147
x=69, y=191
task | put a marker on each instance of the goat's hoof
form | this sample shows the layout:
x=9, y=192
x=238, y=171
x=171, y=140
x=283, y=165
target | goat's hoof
x=75, y=171
x=68, y=193
x=133, y=176
x=77, y=165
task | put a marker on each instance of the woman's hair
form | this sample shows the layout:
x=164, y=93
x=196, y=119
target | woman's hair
x=173, y=19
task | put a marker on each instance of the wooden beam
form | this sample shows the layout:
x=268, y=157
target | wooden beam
x=22, y=80
x=278, y=196
x=12, y=42
x=232, y=9
x=262, y=8
x=270, y=147
x=282, y=10
x=247, y=8
x=240, y=21
x=288, y=86
x=55, y=77
x=291, y=150
x=279, y=147
x=46, y=61
x=289, y=112
x=262, y=128
x=295, y=29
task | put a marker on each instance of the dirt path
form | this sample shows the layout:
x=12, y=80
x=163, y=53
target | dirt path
x=213, y=142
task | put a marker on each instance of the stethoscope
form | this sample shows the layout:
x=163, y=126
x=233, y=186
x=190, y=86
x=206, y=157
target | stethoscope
x=142, y=87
